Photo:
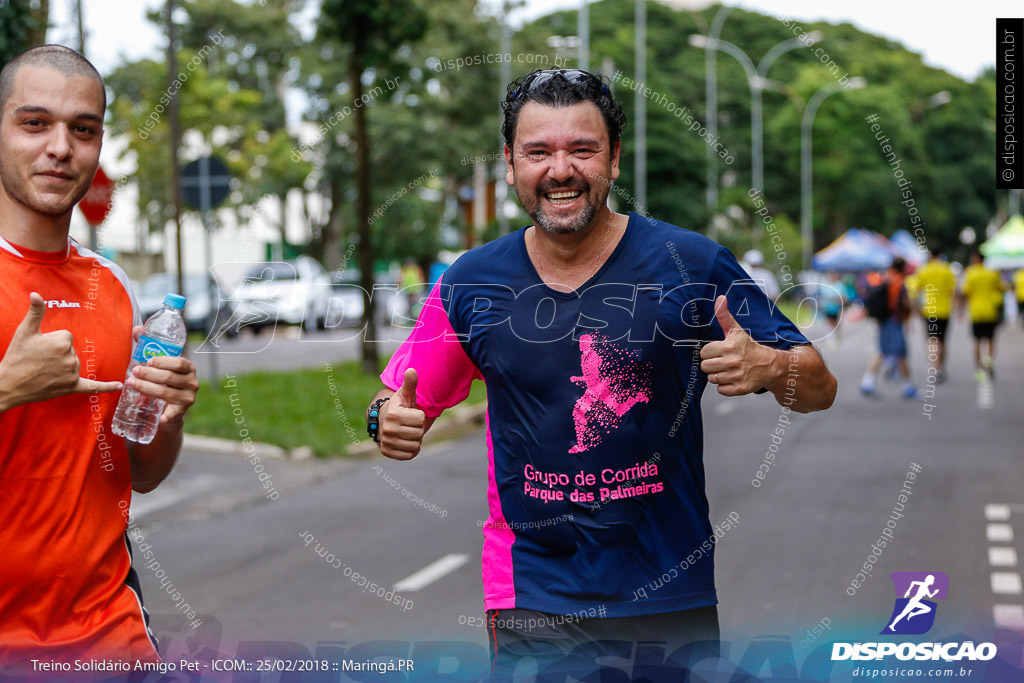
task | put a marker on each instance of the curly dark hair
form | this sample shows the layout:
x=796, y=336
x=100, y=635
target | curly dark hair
x=562, y=88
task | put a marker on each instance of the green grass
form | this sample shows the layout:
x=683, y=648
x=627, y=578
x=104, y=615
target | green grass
x=322, y=407
x=791, y=309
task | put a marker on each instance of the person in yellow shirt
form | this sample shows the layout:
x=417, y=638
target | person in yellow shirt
x=910, y=282
x=935, y=284
x=412, y=283
x=983, y=292
x=1018, y=287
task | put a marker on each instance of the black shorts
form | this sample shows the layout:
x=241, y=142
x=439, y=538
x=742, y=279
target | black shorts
x=937, y=328
x=983, y=330
x=557, y=645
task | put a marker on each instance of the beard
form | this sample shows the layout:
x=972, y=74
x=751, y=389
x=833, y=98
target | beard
x=568, y=225
x=51, y=205
x=533, y=203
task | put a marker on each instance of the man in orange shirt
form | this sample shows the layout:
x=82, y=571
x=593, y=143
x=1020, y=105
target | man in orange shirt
x=67, y=588
x=892, y=342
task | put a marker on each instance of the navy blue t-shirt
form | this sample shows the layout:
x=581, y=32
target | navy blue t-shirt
x=595, y=440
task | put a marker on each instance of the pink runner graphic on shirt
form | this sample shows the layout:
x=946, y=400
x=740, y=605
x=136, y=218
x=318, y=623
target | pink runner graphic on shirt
x=614, y=382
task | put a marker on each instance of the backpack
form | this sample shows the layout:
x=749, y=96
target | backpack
x=876, y=301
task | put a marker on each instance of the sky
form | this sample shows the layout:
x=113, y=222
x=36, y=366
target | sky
x=960, y=41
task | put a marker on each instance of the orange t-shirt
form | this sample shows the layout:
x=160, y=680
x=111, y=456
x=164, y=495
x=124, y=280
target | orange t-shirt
x=897, y=303
x=67, y=587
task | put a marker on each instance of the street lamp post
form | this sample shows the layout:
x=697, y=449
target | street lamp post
x=757, y=131
x=640, y=105
x=505, y=75
x=756, y=79
x=583, y=29
x=806, y=130
x=711, y=107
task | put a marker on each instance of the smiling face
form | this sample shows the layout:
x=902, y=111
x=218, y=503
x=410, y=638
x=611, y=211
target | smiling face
x=562, y=165
x=51, y=130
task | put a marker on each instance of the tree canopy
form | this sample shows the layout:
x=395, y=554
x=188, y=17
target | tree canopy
x=428, y=114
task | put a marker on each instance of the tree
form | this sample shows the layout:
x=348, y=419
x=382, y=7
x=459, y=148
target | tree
x=371, y=31
x=945, y=148
x=227, y=99
x=23, y=25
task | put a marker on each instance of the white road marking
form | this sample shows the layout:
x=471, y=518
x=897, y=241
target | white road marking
x=431, y=573
x=171, y=494
x=1008, y=616
x=1006, y=583
x=725, y=407
x=999, y=533
x=986, y=395
x=998, y=529
x=997, y=513
x=1002, y=557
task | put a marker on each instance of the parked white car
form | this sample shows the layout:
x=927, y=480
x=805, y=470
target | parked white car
x=347, y=303
x=295, y=292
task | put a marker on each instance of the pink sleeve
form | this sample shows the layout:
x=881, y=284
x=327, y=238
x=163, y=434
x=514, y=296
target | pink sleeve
x=443, y=369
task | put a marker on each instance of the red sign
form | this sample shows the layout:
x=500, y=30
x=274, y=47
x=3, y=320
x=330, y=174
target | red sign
x=96, y=204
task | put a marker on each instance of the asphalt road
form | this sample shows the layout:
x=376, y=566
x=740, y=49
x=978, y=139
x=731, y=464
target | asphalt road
x=243, y=563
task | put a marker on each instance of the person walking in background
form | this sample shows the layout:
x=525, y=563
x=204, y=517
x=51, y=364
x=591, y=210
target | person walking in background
x=936, y=287
x=411, y=283
x=753, y=262
x=894, y=306
x=832, y=297
x=983, y=294
x=1018, y=288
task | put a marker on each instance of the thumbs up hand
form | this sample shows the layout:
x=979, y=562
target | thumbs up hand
x=724, y=317
x=38, y=366
x=402, y=424
x=737, y=364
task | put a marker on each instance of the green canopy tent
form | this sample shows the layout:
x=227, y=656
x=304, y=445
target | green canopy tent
x=1005, y=249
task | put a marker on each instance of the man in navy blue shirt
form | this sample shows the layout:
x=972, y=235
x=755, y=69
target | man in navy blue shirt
x=595, y=333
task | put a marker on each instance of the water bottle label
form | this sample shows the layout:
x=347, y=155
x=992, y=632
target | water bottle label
x=151, y=348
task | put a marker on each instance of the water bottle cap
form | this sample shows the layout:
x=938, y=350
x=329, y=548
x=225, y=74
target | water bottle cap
x=175, y=300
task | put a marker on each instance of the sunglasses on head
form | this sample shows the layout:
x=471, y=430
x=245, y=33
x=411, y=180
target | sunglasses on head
x=573, y=76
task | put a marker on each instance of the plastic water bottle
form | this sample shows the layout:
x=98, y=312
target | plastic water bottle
x=138, y=415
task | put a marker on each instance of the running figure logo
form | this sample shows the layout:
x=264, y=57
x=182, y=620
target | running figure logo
x=614, y=381
x=914, y=613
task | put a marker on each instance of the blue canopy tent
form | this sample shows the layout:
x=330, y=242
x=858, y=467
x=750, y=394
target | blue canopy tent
x=912, y=251
x=854, y=251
